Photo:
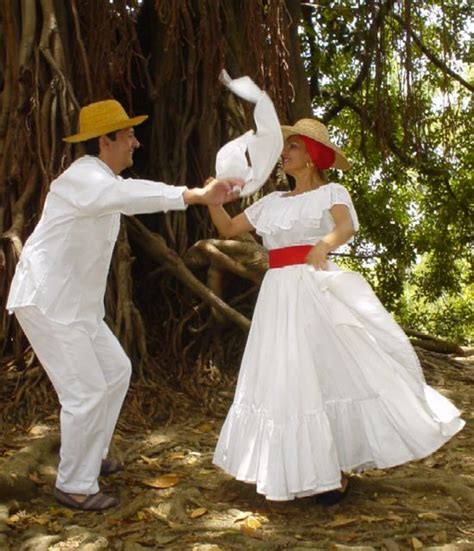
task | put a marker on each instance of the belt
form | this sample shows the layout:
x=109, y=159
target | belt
x=288, y=256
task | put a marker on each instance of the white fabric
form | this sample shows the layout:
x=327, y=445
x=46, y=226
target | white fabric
x=57, y=295
x=64, y=264
x=328, y=382
x=91, y=377
x=263, y=146
x=298, y=219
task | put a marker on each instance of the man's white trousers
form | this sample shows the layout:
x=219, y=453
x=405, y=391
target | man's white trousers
x=91, y=377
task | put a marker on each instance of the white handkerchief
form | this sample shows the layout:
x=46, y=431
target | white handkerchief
x=263, y=146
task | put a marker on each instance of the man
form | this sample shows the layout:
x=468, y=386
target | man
x=59, y=284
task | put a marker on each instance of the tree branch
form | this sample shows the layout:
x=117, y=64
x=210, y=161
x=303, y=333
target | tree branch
x=82, y=49
x=430, y=55
x=214, y=256
x=364, y=71
x=424, y=165
x=435, y=344
x=314, y=88
x=155, y=246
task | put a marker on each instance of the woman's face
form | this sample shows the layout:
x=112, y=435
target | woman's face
x=294, y=156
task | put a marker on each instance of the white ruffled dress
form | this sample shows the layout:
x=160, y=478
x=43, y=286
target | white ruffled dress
x=328, y=382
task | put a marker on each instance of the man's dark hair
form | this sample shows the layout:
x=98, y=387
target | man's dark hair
x=92, y=146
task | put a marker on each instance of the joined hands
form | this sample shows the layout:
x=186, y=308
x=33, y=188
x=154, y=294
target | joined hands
x=215, y=192
x=218, y=192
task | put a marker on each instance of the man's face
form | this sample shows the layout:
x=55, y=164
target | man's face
x=120, y=151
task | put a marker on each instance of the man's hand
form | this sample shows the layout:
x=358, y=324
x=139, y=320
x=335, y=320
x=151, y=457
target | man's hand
x=215, y=192
x=218, y=192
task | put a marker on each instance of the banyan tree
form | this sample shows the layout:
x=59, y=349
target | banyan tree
x=387, y=75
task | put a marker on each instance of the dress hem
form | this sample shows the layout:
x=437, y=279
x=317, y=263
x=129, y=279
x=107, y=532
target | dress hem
x=359, y=468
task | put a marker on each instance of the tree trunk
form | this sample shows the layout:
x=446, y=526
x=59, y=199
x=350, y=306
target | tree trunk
x=161, y=57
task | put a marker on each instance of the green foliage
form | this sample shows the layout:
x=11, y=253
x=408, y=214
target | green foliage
x=394, y=88
x=450, y=315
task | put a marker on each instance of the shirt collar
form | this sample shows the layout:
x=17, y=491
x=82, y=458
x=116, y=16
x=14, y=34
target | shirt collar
x=103, y=165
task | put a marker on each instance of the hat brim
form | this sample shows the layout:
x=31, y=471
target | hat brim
x=101, y=131
x=340, y=161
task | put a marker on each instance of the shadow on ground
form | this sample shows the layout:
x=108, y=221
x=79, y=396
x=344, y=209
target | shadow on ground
x=173, y=498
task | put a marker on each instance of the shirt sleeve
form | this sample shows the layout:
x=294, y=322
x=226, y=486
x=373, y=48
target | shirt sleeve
x=133, y=196
x=340, y=196
x=94, y=192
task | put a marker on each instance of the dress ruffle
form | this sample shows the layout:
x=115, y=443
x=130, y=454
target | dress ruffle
x=305, y=455
x=274, y=212
x=328, y=382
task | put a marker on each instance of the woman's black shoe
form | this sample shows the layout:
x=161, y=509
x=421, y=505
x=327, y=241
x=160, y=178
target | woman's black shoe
x=332, y=497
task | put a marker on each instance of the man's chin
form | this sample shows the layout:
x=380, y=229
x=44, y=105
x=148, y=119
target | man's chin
x=126, y=165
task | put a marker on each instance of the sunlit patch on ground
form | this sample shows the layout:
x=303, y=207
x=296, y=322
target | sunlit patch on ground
x=172, y=497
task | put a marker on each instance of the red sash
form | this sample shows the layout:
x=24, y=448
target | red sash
x=288, y=256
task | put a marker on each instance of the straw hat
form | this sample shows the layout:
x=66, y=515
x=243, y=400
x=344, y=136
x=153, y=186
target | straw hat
x=100, y=118
x=318, y=132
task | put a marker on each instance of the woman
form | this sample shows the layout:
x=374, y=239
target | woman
x=328, y=382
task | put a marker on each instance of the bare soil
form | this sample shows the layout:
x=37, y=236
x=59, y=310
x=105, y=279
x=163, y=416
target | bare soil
x=172, y=497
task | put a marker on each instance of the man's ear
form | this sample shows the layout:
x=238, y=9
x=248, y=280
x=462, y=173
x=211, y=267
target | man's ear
x=104, y=142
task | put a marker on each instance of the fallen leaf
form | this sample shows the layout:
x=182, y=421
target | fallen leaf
x=368, y=518
x=191, y=460
x=391, y=545
x=12, y=520
x=240, y=515
x=148, y=460
x=42, y=520
x=38, y=430
x=251, y=527
x=253, y=523
x=347, y=538
x=395, y=518
x=388, y=500
x=61, y=512
x=55, y=527
x=375, y=473
x=35, y=478
x=199, y=512
x=46, y=470
x=416, y=544
x=441, y=537
x=116, y=521
x=431, y=462
x=205, y=427
x=429, y=515
x=176, y=455
x=162, y=482
x=341, y=521
x=161, y=539
x=341, y=547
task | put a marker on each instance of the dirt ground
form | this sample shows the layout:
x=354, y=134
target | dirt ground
x=173, y=498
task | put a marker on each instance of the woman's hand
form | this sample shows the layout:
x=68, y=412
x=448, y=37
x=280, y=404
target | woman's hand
x=318, y=256
x=218, y=192
x=215, y=192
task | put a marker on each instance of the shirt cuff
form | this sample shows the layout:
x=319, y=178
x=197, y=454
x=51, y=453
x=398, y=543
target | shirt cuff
x=181, y=205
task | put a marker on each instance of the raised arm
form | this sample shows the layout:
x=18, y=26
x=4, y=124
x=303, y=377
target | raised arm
x=342, y=232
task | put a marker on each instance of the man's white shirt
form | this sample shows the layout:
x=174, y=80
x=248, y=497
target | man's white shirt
x=64, y=263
